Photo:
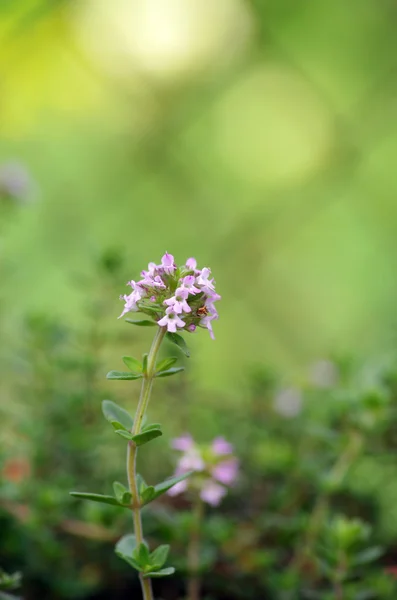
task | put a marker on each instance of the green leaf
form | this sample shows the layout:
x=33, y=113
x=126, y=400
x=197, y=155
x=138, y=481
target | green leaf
x=169, y=372
x=122, y=494
x=165, y=364
x=122, y=375
x=146, y=436
x=159, y=556
x=116, y=415
x=151, y=426
x=179, y=341
x=147, y=495
x=141, y=555
x=123, y=433
x=125, y=548
x=163, y=487
x=141, y=323
x=141, y=483
x=140, y=438
x=98, y=498
x=162, y=573
x=119, y=489
x=126, y=545
x=133, y=364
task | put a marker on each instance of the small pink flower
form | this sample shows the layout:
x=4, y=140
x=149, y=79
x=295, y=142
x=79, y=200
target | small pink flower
x=191, y=263
x=188, y=283
x=171, y=320
x=203, y=280
x=191, y=461
x=178, y=302
x=212, y=492
x=220, y=446
x=184, y=443
x=226, y=471
x=206, y=322
x=130, y=302
x=168, y=263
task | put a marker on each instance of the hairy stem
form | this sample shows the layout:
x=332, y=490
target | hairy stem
x=147, y=383
x=193, y=557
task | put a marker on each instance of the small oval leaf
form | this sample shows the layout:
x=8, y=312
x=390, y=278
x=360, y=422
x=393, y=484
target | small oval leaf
x=133, y=364
x=98, y=498
x=161, y=573
x=146, y=436
x=170, y=372
x=123, y=375
x=116, y=415
x=141, y=323
x=179, y=341
x=166, y=364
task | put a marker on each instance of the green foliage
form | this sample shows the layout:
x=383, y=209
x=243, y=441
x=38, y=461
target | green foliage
x=133, y=364
x=179, y=341
x=138, y=556
x=169, y=372
x=117, y=416
x=141, y=322
x=123, y=375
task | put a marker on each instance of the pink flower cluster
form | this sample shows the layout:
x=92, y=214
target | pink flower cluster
x=215, y=468
x=176, y=297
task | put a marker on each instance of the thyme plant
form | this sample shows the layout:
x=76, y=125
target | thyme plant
x=172, y=299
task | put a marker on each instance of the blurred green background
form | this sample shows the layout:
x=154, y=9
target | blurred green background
x=258, y=136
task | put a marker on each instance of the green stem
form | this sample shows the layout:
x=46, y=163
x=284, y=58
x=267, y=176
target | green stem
x=321, y=507
x=147, y=383
x=193, y=557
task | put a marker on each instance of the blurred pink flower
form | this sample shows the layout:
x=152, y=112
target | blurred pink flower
x=212, y=492
x=226, y=471
x=220, y=446
x=214, y=476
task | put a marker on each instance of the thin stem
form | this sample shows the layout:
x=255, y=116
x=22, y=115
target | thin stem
x=320, y=510
x=193, y=557
x=147, y=383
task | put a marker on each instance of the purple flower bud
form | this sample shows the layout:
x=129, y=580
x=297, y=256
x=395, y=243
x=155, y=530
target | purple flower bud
x=191, y=263
x=192, y=327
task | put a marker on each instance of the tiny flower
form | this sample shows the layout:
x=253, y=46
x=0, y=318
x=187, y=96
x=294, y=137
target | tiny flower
x=183, y=443
x=206, y=322
x=168, y=264
x=171, y=320
x=191, y=263
x=192, y=327
x=212, y=492
x=226, y=471
x=152, y=298
x=220, y=446
x=188, y=283
x=202, y=279
x=191, y=461
x=130, y=302
x=178, y=302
